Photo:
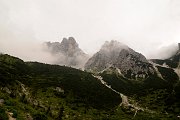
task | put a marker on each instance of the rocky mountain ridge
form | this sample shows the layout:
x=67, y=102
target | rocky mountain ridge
x=115, y=54
x=67, y=53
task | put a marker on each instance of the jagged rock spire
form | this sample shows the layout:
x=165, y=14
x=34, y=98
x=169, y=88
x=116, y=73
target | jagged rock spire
x=68, y=52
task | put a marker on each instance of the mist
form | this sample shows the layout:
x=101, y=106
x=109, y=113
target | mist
x=20, y=41
x=75, y=61
x=165, y=52
x=67, y=52
x=147, y=26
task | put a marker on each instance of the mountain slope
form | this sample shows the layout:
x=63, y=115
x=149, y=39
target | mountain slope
x=128, y=72
x=125, y=86
x=115, y=54
x=31, y=90
x=35, y=88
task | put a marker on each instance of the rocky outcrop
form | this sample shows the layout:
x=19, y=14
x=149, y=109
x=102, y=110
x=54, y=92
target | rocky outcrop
x=115, y=54
x=67, y=53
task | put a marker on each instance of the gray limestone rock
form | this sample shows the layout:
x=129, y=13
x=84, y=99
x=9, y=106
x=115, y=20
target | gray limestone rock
x=115, y=54
x=67, y=53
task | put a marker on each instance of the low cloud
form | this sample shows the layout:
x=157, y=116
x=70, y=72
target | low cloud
x=164, y=52
x=66, y=54
x=142, y=25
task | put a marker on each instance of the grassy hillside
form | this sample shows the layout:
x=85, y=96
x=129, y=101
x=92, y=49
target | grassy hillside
x=32, y=90
x=53, y=86
x=161, y=96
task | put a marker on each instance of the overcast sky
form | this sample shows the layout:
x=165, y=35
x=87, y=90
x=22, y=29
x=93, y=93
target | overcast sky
x=144, y=25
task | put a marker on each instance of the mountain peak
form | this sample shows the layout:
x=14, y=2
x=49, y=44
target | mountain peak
x=113, y=45
x=115, y=54
x=69, y=52
x=69, y=40
x=69, y=43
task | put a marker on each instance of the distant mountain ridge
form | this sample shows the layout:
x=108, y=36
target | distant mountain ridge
x=67, y=52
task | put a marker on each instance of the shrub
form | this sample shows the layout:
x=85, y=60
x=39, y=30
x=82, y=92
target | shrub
x=39, y=116
x=3, y=115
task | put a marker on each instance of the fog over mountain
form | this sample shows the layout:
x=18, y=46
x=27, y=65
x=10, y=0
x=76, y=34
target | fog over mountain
x=165, y=52
x=67, y=53
x=148, y=27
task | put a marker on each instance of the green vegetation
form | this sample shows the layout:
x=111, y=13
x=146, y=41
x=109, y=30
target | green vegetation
x=159, y=96
x=51, y=92
x=3, y=115
x=42, y=90
x=122, y=84
x=168, y=74
x=169, y=62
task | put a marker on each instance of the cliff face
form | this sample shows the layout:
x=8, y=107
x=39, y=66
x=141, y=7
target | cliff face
x=115, y=54
x=67, y=53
